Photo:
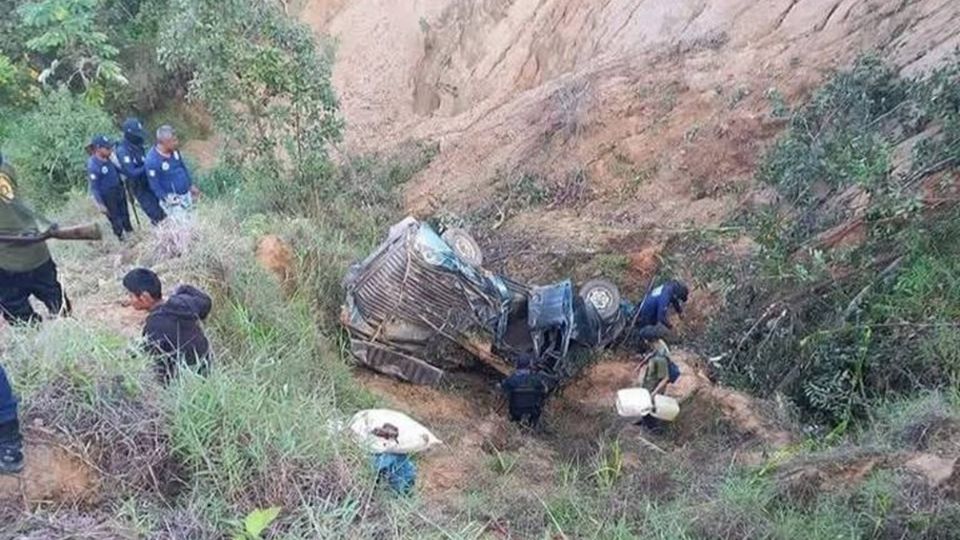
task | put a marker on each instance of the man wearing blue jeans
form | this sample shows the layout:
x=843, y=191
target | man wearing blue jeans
x=11, y=455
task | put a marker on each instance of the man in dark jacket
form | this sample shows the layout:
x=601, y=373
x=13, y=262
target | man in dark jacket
x=11, y=454
x=105, y=186
x=130, y=158
x=173, y=331
x=655, y=309
x=26, y=268
x=526, y=391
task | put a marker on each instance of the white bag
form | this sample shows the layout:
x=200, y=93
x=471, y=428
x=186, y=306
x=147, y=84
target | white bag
x=412, y=436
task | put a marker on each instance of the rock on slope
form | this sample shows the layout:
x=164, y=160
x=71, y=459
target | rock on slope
x=662, y=107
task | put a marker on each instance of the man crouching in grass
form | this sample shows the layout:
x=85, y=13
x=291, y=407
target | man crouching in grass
x=172, y=331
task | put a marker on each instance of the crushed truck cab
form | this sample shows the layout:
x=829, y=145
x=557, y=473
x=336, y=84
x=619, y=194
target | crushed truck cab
x=418, y=286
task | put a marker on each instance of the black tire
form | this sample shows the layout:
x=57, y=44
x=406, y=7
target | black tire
x=464, y=246
x=603, y=295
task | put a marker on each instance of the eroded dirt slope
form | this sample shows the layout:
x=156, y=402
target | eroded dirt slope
x=634, y=113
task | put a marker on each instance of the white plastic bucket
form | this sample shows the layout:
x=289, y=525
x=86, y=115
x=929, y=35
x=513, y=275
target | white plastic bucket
x=665, y=408
x=634, y=402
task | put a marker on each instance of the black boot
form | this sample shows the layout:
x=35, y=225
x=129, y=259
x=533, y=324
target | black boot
x=11, y=452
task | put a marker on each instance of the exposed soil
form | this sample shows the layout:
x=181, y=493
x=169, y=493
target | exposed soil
x=52, y=473
x=466, y=412
x=663, y=107
x=275, y=255
x=805, y=481
x=638, y=118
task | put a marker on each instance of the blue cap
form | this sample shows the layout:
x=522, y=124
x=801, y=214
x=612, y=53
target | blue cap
x=133, y=126
x=100, y=141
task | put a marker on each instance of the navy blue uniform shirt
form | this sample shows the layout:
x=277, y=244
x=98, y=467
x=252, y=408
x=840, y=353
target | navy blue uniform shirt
x=167, y=174
x=103, y=177
x=656, y=305
x=130, y=158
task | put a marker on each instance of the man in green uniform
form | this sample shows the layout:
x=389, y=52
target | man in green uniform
x=660, y=371
x=657, y=377
x=26, y=268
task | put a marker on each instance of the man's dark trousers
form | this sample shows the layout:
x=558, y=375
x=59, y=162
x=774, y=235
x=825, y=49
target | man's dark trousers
x=148, y=201
x=115, y=199
x=16, y=288
x=526, y=417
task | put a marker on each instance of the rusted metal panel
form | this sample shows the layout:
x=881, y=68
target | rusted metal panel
x=399, y=365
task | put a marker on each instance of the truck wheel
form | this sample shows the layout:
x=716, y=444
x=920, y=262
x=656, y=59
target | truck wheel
x=603, y=295
x=464, y=246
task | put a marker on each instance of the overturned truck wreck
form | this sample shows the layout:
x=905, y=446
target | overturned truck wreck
x=418, y=286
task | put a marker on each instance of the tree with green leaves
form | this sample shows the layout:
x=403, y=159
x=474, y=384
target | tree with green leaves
x=47, y=145
x=75, y=50
x=262, y=77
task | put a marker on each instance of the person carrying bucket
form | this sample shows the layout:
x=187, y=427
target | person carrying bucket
x=659, y=371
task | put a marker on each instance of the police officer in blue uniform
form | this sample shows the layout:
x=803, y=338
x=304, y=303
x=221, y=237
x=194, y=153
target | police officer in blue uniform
x=130, y=158
x=653, y=321
x=105, y=185
x=168, y=175
x=526, y=391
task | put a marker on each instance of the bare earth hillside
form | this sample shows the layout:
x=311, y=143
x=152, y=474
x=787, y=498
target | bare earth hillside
x=632, y=113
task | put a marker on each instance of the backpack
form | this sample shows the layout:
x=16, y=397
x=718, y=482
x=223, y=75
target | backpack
x=673, y=370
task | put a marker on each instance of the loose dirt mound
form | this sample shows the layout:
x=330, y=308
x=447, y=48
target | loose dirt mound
x=805, y=481
x=52, y=474
x=650, y=113
x=597, y=387
x=466, y=412
x=274, y=254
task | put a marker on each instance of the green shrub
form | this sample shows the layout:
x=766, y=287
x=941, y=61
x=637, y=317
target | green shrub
x=47, y=146
x=858, y=323
x=67, y=34
x=267, y=85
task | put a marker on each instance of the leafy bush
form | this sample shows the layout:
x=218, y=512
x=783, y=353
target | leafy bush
x=68, y=35
x=47, y=146
x=267, y=85
x=837, y=331
x=15, y=89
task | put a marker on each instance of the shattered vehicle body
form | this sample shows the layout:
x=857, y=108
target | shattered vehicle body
x=418, y=286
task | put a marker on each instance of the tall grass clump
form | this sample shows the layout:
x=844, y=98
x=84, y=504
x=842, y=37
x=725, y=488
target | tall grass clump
x=254, y=443
x=96, y=392
x=257, y=432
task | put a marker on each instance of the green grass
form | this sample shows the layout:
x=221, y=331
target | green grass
x=254, y=434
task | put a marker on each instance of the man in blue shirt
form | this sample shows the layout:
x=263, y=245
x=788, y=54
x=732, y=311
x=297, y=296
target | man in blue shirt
x=130, y=157
x=655, y=310
x=168, y=175
x=105, y=185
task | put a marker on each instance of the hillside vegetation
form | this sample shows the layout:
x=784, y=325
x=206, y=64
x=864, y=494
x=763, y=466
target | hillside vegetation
x=830, y=296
